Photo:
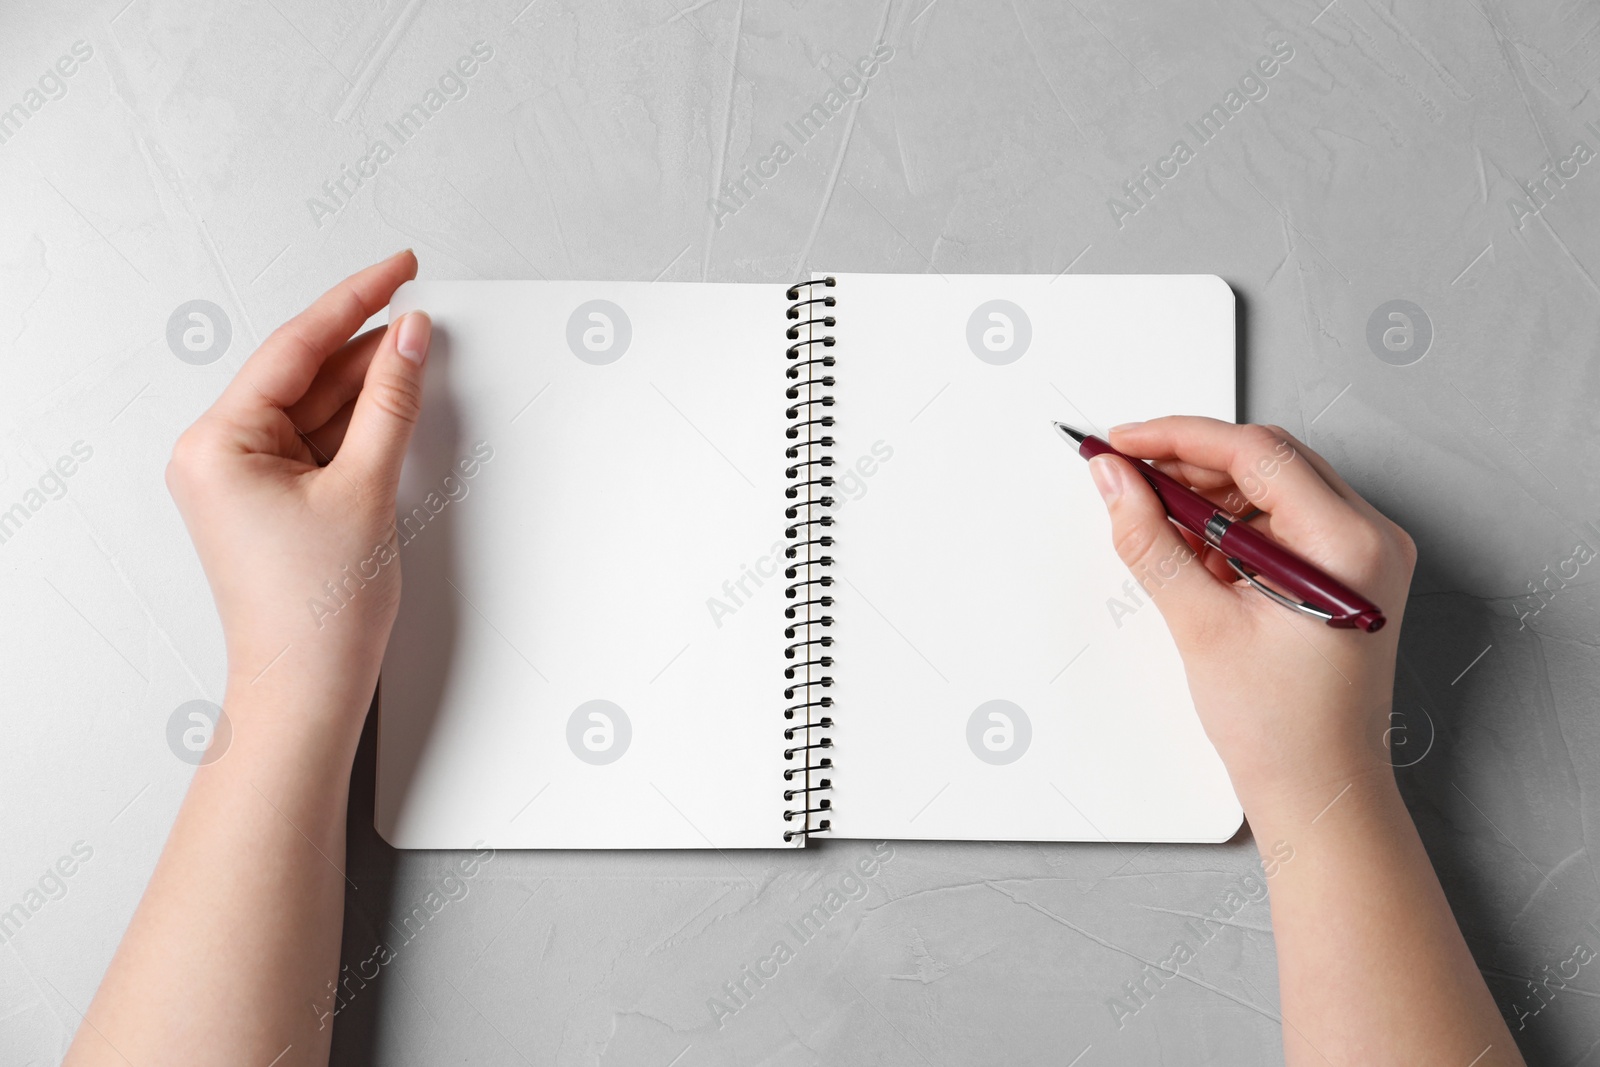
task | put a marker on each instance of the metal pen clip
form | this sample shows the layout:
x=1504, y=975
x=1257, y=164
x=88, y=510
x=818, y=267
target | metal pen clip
x=1273, y=594
x=1217, y=527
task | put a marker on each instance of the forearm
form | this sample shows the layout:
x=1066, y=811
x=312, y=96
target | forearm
x=232, y=950
x=1372, y=966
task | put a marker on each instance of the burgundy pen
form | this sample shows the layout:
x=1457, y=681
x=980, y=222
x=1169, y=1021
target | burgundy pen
x=1299, y=585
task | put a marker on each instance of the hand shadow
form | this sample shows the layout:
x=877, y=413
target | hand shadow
x=373, y=916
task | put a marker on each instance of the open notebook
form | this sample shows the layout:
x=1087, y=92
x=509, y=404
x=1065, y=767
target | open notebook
x=735, y=565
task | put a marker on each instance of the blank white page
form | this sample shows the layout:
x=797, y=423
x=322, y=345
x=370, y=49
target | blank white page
x=975, y=562
x=576, y=563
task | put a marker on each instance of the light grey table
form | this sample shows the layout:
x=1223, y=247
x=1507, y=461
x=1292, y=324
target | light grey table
x=1440, y=154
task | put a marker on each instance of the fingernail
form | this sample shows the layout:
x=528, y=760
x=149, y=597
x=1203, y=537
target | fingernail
x=412, y=339
x=1126, y=426
x=1107, y=477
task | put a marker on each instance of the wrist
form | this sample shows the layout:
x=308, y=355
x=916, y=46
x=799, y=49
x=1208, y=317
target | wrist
x=292, y=722
x=1285, y=759
x=329, y=674
x=328, y=663
x=1278, y=809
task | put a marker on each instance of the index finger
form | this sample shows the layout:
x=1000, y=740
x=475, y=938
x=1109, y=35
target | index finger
x=283, y=368
x=1265, y=464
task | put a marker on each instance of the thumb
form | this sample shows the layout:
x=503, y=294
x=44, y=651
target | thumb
x=387, y=408
x=1166, y=568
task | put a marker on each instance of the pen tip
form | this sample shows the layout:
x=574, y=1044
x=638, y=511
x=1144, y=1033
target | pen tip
x=1067, y=431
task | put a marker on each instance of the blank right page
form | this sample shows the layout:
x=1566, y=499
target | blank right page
x=998, y=674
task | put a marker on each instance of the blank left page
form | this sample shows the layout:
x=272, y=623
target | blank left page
x=595, y=462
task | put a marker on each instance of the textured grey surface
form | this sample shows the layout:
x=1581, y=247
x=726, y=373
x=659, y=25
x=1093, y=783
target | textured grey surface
x=177, y=162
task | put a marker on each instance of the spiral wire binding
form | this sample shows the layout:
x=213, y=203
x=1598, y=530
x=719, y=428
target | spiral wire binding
x=808, y=653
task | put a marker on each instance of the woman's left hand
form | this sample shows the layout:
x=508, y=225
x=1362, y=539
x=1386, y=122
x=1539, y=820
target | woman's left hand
x=287, y=485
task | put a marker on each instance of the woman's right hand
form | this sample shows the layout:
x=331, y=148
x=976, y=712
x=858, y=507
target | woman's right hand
x=1296, y=709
